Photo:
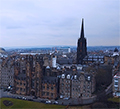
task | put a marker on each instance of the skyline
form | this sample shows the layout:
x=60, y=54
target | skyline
x=41, y=23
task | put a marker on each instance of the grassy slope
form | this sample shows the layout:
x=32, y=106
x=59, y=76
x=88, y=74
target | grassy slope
x=17, y=104
x=114, y=100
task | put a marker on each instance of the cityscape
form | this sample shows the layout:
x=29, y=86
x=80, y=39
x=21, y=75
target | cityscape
x=72, y=74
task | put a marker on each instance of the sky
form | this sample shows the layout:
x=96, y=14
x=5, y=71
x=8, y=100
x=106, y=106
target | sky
x=58, y=22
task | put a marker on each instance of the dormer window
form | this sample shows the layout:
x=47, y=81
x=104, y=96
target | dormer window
x=75, y=77
x=47, y=67
x=63, y=75
x=88, y=78
x=68, y=76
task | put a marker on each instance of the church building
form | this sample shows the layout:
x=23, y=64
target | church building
x=81, y=46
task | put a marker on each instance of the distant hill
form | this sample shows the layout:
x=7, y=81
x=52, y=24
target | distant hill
x=2, y=50
x=89, y=48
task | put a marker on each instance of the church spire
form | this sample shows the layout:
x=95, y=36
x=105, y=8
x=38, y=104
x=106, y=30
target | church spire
x=82, y=29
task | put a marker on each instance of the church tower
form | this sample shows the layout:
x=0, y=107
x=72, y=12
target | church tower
x=81, y=46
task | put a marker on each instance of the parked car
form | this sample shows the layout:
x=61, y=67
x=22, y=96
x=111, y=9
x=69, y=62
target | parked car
x=56, y=98
x=55, y=102
x=43, y=101
x=24, y=98
x=30, y=99
x=66, y=98
x=48, y=102
x=19, y=97
x=35, y=97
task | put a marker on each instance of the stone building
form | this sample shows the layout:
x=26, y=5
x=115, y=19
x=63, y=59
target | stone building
x=76, y=85
x=81, y=46
x=50, y=87
x=65, y=85
x=7, y=73
x=93, y=59
x=30, y=67
x=116, y=85
x=20, y=84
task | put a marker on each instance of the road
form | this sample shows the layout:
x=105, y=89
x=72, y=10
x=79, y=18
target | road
x=10, y=95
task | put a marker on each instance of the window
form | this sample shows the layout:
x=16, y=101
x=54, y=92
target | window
x=43, y=93
x=17, y=88
x=76, y=89
x=116, y=83
x=51, y=88
x=47, y=87
x=20, y=89
x=47, y=93
x=116, y=79
x=43, y=87
x=52, y=94
x=83, y=90
x=88, y=86
x=116, y=88
x=20, y=83
x=32, y=83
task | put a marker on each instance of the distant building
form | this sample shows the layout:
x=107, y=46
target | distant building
x=112, y=59
x=93, y=58
x=65, y=50
x=81, y=46
x=64, y=60
x=3, y=53
x=116, y=85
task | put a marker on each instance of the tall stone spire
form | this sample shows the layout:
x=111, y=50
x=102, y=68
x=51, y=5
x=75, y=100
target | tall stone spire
x=81, y=46
x=82, y=29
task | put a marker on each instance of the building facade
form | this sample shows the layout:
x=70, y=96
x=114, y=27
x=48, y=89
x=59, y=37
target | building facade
x=50, y=87
x=77, y=85
x=116, y=85
x=30, y=67
x=7, y=73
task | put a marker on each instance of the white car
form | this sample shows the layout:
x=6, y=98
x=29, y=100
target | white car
x=24, y=98
x=66, y=98
x=55, y=102
x=48, y=102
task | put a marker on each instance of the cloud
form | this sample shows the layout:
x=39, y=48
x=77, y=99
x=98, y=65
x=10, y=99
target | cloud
x=49, y=22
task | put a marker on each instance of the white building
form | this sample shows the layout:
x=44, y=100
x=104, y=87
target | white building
x=116, y=85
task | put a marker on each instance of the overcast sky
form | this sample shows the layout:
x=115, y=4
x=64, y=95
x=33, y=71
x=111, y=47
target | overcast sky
x=58, y=22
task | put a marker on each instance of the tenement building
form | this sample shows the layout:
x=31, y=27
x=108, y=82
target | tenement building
x=7, y=73
x=28, y=74
x=81, y=46
x=77, y=85
x=50, y=87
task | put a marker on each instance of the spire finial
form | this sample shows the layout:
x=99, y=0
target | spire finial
x=82, y=29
